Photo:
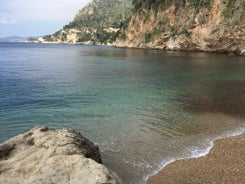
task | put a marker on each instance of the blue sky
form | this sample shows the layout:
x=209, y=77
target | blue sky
x=36, y=17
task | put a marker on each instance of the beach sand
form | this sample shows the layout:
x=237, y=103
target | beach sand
x=225, y=164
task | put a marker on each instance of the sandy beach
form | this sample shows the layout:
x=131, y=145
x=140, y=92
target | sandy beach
x=224, y=164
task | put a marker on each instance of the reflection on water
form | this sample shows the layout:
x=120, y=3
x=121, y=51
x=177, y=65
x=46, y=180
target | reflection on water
x=143, y=107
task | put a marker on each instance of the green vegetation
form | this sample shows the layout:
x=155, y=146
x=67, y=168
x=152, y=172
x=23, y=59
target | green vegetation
x=106, y=37
x=156, y=32
x=177, y=31
x=201, y=3
x=229, y=8
x=148, y=37
x=93, y=21
x=184, y=32
x=48, y=38
x=234, y=11
x=84, y=36
x=101, y=15
x=163, y=4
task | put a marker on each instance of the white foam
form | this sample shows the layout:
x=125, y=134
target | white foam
x=196, y=153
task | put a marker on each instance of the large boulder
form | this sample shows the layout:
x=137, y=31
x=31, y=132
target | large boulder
x=43, y=156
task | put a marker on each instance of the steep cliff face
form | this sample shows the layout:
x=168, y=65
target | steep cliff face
x=193, y=25
x=96, y=23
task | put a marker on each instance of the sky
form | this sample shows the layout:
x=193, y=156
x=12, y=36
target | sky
x=36, y=17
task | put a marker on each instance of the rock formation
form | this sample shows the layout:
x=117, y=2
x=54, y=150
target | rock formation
x=192, y=25
x=43, y=156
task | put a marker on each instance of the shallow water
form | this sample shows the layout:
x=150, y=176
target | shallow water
x=144, y=108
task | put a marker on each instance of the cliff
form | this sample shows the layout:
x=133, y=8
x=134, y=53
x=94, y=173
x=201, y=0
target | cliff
x=42, y=156
x=192, y=25
x=96, y=23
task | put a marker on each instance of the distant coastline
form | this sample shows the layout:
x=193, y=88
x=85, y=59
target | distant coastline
x=20, y=39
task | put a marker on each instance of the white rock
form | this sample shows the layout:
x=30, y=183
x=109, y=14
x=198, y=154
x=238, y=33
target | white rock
x=43, y=156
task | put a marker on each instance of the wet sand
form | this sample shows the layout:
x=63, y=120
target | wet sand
x=225, y=164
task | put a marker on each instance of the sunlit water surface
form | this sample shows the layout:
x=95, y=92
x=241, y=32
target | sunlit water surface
x=144, y=108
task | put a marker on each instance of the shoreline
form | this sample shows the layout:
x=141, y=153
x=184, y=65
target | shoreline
x=225, y=52
x=224, y=162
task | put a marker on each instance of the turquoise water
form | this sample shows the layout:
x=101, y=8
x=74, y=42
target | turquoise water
x=144, y=108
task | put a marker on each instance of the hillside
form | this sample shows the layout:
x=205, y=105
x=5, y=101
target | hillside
x=193, y=25
x=96, y=23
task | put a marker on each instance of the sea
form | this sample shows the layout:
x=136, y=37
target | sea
x=143, y=108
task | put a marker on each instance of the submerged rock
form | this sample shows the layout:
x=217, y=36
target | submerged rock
x=43, y=156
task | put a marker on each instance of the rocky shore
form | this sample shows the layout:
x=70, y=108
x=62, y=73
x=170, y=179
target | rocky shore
x=42, y=156
x=224, y=164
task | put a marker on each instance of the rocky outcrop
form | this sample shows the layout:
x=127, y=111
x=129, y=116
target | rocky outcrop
x=192, y=25
x=43, y=156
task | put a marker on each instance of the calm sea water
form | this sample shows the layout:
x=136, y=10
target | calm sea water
x=144, y=108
